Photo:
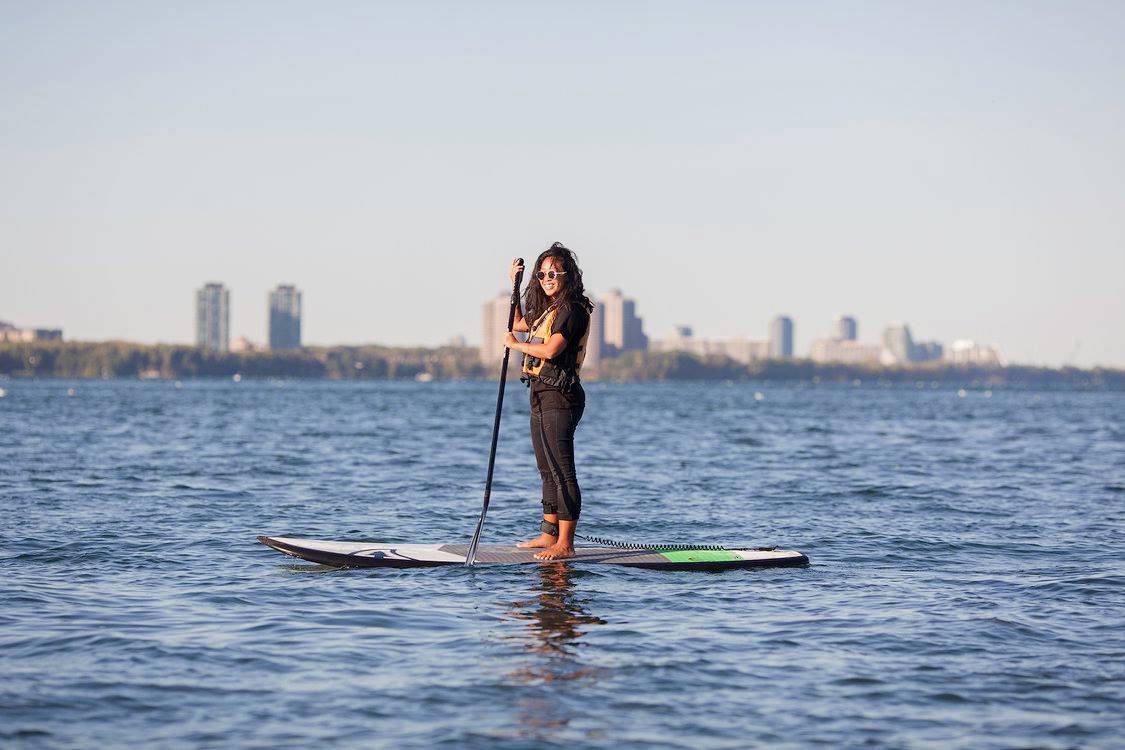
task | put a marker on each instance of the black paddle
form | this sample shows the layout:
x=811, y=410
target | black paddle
x=471, y=557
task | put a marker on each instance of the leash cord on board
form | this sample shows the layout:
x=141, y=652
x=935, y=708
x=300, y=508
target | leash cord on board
x=653, y=547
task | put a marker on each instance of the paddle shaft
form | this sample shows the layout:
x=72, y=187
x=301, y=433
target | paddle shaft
x=470, y=558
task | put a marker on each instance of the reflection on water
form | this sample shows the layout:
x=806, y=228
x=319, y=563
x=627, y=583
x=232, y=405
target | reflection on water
x=555, y=622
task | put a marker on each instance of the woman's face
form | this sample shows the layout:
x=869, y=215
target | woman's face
x=550, y=286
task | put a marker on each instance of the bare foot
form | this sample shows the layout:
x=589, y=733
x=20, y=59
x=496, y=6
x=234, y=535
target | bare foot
x=556, y=552
x=543, y=540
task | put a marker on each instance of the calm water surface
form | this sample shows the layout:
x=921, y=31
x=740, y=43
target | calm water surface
x=967, y=586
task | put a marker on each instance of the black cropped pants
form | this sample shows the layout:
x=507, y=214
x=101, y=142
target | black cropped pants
x=554, y=417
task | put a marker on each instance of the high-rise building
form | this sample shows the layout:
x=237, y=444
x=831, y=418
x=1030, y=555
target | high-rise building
x=781, y=337
x=847, y=329
x=899, y=347
x=926, y=351
x=285, y=317
x=494, y=322
x=623, y=330
x=898, y=344
x=595, y=342
x=212, y=317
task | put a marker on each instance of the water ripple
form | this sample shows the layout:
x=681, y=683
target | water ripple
x=966, y=586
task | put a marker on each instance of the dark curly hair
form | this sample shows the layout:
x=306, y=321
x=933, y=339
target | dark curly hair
x=573, y=292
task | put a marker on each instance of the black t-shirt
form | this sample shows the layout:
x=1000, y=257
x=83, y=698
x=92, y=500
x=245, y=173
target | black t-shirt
x=572, y=322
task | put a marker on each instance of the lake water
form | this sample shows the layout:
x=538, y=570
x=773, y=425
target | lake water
x=967, y=585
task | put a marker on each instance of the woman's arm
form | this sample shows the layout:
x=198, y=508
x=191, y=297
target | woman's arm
x=547, y=350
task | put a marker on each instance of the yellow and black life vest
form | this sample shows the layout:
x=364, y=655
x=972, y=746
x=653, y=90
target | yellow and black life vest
x=562, y=371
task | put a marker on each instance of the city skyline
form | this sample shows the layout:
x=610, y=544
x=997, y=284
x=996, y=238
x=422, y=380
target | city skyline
x=722, y=163
x=806, y=347
x=621, y=330
x=614, y=332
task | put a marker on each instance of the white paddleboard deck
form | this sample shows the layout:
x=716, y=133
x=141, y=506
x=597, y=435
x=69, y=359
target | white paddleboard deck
x=382, y=555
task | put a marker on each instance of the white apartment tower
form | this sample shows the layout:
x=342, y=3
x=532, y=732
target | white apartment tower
x=212, y=317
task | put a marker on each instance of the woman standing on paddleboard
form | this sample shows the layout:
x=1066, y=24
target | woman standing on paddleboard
x=556, y=313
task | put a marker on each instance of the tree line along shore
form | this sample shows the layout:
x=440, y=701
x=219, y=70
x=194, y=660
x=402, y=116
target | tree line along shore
x=114, y=359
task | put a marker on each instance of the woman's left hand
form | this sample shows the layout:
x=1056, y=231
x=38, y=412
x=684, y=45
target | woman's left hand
x=511, y=341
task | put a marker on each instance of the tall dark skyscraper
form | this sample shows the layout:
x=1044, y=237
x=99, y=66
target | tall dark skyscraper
x=846, y=328
x=285, y=317
x=212, y=317
x=781, y=337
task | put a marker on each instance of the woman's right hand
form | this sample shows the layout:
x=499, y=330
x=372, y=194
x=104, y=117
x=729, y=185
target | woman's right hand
x=516, y=267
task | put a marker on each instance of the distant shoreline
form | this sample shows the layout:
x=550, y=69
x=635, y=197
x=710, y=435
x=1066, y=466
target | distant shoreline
x=115, y=359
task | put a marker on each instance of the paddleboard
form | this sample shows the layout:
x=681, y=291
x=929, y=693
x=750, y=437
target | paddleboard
x=381, y=555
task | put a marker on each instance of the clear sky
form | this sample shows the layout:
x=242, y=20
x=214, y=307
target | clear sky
x=960, y=166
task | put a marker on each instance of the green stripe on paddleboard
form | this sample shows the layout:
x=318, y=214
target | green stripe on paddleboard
x=707, y=555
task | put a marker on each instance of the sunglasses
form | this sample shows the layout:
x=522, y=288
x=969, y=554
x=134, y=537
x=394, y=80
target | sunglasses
x=552, y=275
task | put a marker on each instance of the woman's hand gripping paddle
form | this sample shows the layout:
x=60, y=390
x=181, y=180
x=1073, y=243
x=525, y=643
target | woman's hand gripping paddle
x=471, y=557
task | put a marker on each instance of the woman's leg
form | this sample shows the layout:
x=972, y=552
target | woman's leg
x=558, y=443
x=550, y=496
